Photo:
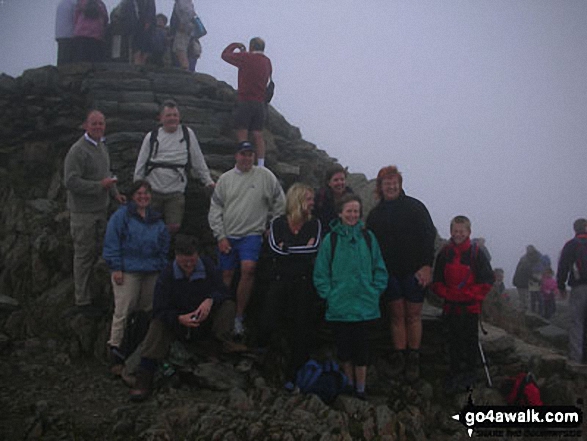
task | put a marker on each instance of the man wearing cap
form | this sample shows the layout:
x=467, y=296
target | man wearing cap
x=244, y=200
x=254, y=71
x=90, y=184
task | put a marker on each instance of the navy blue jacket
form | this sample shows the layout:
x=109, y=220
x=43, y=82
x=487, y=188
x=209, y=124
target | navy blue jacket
x=176, y=295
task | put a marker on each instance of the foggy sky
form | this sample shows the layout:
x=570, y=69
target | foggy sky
x=481, y=104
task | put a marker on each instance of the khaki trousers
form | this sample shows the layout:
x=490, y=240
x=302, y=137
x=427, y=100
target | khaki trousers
x=135, y=294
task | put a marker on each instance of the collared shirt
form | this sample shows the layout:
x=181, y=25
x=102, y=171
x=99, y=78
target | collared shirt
x=198, y=274
x=91, y=140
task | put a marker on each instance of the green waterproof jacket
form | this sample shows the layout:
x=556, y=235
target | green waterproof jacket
x=352, y=279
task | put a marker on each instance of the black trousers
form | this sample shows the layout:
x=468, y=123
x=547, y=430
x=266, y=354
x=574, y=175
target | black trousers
x=291, y=307
x=463, y=341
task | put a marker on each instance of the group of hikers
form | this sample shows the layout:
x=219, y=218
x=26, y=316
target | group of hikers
x=133, y=32
x=536, y=284
x=317, y=243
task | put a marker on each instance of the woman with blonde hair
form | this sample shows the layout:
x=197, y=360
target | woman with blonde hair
x=290, y=304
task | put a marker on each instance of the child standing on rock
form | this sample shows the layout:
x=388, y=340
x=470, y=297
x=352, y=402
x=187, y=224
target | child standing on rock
x=350, y=275
x=462, y=277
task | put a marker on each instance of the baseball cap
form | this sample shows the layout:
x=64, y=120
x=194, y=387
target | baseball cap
x=245, y=145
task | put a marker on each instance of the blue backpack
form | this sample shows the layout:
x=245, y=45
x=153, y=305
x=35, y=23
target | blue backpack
x=323, y=379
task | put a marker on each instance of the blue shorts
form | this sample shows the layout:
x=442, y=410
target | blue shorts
x=406, y=288
x=242, y=248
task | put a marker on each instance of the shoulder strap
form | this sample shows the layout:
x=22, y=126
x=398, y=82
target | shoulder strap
x=333, y=240
x=153, y=147
x=522, y=387
x=186, y=137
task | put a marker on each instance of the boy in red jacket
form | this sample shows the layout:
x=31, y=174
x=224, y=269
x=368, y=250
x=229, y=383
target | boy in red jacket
x=462, y=277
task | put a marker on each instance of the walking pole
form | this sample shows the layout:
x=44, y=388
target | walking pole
x=489, y=382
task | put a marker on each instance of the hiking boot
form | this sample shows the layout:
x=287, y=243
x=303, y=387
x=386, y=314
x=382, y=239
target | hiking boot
x=361, y=395
x=116, y=361
x=412, y=366
x=143, y=385
x=398, y=363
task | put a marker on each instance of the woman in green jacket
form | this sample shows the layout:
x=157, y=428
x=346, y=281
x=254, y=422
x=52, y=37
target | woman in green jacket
x=350, y=275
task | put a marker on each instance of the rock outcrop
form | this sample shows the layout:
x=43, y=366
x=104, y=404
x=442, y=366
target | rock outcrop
x=40, y=117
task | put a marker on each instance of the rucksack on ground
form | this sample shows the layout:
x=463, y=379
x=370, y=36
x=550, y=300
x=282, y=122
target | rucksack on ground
x=524, y=391
x=324, y=379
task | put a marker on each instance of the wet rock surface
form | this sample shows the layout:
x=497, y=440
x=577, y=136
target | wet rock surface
x=54, y=379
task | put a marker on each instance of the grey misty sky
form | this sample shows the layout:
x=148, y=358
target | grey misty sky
x=481, y=104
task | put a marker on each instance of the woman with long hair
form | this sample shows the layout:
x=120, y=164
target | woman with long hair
x=291, y=301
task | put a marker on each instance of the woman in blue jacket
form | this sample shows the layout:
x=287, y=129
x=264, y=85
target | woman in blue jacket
x=350, y=274
x=135, y=249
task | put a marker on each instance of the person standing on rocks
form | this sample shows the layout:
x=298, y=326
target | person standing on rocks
x=135, y=249
x=572, y=270
x=527, y=278
x=244, y=200
x=350, y=275
x=254, y=72
x=64, y=31
x=189, y=303
x=166, y=156
x=462, y=277
x=89, y=31
x=406, y=234
x=90, y=184
x=328, y=196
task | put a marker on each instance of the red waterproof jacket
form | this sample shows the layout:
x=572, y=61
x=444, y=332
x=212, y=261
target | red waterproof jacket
x=463, y=277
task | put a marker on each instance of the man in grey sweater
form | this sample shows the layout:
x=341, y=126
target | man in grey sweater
x=89, y=185
x=244, y=200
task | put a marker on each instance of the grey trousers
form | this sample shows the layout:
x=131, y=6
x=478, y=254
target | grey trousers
x=578, y=309
x=87, y=232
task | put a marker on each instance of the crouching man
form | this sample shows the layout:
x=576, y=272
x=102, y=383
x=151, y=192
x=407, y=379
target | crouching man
x=188, y=304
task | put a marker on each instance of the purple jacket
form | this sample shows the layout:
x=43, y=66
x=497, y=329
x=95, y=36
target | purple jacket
x=90, y=27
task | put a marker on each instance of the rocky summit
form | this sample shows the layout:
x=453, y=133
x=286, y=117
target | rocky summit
x=55, y=383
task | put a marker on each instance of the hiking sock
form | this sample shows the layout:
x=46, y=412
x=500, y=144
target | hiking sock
x=261, y=162
x=360, y=388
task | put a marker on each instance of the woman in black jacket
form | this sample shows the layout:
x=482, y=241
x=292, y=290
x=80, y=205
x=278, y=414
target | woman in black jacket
x=406, y=235
x=291, y=300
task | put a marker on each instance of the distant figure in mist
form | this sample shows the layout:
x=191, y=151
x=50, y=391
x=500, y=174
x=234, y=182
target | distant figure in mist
x=89, y=31
x=528, y=276
x=572, y=270
x=64, y=31
x=480, y=242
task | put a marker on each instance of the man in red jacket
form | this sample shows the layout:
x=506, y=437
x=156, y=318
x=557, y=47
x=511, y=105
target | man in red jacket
x=254, y=71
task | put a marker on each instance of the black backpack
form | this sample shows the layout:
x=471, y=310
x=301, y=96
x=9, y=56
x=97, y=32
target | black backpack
x=92, y=9
x=150, y=165
x=580, y=264
x=137, y=325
